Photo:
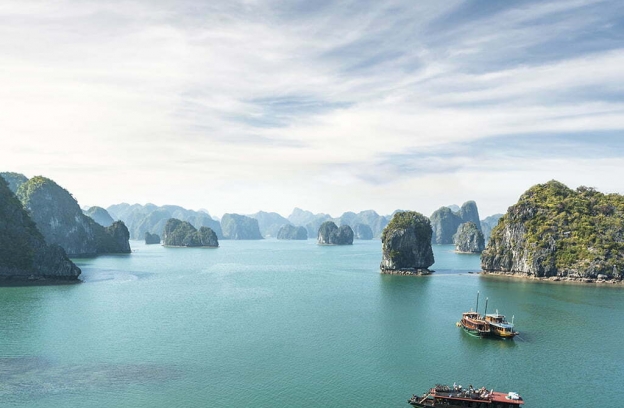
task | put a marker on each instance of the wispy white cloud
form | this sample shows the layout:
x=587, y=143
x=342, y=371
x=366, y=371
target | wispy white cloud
x=206, y=104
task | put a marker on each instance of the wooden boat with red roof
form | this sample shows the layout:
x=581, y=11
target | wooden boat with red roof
x=443, y=396
x=473, y=323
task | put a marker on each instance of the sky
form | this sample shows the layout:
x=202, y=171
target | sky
x=331, y=106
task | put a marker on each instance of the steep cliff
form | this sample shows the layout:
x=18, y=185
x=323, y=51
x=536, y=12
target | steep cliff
x=554, y=231
x=445, y=221
x=235, y=226
x=291, y=232
x=406, y=244
x=24, y=253
x=469, y=239
x=100, y=215
x=470, y=213
x=330, y=234
x=182, y=234
x=61, y=221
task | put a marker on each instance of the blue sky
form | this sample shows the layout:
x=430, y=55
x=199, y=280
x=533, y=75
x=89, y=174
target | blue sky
x=240, y=106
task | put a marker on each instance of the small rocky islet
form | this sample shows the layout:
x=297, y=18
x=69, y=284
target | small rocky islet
x=179, y=233
x=330, y=234
x=468, y=239
x=406, y=245
x=152, y=239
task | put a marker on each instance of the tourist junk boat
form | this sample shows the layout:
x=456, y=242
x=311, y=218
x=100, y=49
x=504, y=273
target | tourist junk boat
x=474, y=323
x=500, y=327
x=487, y=325
x=442, y=396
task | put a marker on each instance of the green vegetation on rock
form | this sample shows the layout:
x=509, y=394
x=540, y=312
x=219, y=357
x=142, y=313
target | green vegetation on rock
x=556, y=231
x=61, y=221
x=469, y=239
x=24, y=253
x=406, y=243
x=182, y=234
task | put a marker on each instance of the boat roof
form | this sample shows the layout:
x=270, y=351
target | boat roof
x=503, y=325
x=495, y=396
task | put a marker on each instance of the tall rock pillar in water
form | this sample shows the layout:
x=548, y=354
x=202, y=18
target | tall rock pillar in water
x=406, y=245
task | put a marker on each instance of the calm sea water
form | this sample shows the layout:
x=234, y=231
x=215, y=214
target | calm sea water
x=289, y=323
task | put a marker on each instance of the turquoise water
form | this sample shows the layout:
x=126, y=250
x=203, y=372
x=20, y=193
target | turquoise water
x=289, y=323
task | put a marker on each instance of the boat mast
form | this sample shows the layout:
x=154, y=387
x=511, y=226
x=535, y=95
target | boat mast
x=477, y=309
x=486, y=302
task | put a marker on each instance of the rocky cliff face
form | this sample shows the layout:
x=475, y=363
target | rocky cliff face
x=406, y=244
x=235, y=226
x=291, y=232
x=61, y=221
x=330, y=234
x=152, y=239
x=445, y=221
x=557, y=232
x=363, y=231
x=24, y=253
x=488, y=224
x=182, y=234
x=14, y=180
x=469, y=239
x=470, y=213
x=100, y=215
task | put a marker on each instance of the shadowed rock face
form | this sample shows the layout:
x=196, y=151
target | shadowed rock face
x=293, y=233
x=363, y=231
x=182, y=234
x=469, y=213
x=406, y=244
x=100, y=215
x=445, y=222
x=559, y=232
x=14, y=180
x=152, y=239
x=23, y=250
x=61, y=221
x=330, y=234
x=235, y=226
x=469, y=239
